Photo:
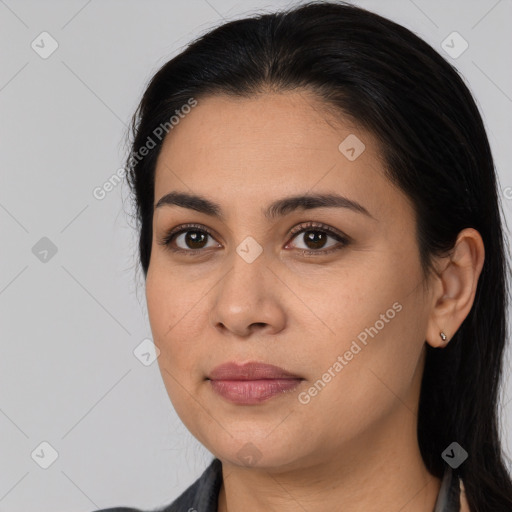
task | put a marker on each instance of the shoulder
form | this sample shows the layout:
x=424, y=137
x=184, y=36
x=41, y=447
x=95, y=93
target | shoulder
x=201, y=495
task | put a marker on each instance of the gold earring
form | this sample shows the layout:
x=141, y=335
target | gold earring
x=443, y=335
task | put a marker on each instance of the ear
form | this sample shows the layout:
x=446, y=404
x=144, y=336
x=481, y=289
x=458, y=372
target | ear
x=455, y=287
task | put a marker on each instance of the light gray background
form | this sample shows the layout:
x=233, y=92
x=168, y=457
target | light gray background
x=69, y=325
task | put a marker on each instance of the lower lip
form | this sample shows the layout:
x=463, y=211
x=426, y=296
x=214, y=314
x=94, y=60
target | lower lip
x=247, y=392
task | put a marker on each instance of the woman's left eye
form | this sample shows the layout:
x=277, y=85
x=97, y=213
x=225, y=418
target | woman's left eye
x=314, y=234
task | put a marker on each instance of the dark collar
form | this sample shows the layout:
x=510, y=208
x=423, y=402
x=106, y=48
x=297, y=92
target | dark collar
x=203, y=494
x=448, y=499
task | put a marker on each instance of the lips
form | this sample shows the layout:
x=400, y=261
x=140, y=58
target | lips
x=251, y=383
x=249, y=371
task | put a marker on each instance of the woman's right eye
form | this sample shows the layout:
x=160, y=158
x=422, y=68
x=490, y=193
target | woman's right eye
x=189, y=235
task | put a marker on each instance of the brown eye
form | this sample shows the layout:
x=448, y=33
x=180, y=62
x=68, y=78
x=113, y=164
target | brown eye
x=193, y=239
x=189, y=239
x=315, y=239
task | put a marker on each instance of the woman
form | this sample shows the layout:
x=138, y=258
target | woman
x=325, y=267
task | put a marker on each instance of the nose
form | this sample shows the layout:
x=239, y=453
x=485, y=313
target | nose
x=249, y=298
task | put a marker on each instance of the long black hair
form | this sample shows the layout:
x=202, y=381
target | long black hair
x=434, y=147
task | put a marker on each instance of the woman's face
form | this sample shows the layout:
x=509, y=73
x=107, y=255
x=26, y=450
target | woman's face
x=349, y=318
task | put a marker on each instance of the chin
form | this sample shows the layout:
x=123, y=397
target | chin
x=257, y=452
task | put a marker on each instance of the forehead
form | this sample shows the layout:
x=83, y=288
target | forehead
x=291, y=124
x=272, y=145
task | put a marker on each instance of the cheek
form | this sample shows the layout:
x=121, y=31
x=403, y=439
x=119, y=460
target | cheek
x=351, y=300
x=167, y=298
x=379, y=360
x=157, y=300
x=174, y=309
x=164, y=316
x=374, y=320
x=173, y=318
x=168, y=320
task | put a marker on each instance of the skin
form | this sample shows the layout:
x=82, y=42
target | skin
x=355, y=441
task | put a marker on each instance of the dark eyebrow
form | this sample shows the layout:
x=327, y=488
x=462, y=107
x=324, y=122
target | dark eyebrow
x=276, y=209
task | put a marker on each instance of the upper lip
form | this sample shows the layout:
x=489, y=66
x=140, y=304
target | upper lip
x=249, y=371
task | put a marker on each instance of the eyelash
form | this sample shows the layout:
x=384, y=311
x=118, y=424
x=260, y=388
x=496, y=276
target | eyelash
x=303, y=227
